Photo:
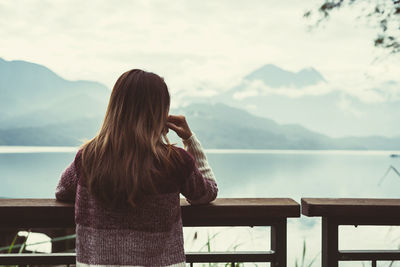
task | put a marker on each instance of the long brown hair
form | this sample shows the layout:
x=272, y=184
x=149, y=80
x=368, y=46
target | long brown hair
x=131, y=148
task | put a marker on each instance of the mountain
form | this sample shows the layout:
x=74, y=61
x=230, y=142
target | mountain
x=276, y=77
x=222, y=126
x=38, y=107
x=216, y=125
x=28, y=91
x=58, y=134
x=307, y=98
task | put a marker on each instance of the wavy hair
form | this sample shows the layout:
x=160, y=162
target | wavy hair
x=121, y=163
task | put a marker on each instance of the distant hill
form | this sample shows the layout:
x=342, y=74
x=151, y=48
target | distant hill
x=299, y=97
x=216, y=125
x=58, y=134
x=276, y=77
x=222, y=126
x=38, y=107
x=33, y=95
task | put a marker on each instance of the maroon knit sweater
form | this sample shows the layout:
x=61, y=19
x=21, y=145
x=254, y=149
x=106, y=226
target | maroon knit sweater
x=147, y=235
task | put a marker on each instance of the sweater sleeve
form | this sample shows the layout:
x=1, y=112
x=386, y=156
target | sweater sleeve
x=200, y=187
x=66, y=188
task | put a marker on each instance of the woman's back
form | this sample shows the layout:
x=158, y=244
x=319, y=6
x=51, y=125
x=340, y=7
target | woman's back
x=149, y=234
x=126, y=181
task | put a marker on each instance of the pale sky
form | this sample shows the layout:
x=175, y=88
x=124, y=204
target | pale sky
x=192, y=44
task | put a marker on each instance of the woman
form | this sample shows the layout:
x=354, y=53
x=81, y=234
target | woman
x=126, y=181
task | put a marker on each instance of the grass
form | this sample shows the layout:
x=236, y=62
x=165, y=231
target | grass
x=21, y=246
x=302, y=262
x=391, y=168
x=207, y=246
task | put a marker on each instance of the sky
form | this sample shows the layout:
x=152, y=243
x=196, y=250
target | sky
x=192, y=44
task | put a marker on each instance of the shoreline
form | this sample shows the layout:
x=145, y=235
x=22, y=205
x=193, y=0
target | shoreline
x=71, y=149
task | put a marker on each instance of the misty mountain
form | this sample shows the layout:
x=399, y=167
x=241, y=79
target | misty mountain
x=222, y=126
x=33, y=95
x=38, y=107
x=216, y=125
x=276, y=77
x=281, y=95
x=70, y=133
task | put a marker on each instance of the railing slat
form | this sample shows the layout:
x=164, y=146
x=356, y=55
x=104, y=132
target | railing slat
x=279, y=243
x=37, y=259
x=234, y=256
x=330, y=243
x=363, y=255
x=69, y=258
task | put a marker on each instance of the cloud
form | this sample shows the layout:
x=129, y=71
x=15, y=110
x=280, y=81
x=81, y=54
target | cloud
x=257, y=87
x=192, y=44
x=365, y=90
x=247, y=93
x=345, y=104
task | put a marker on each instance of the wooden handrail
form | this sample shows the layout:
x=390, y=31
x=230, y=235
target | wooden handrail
x=351, y=211
x=223, y=211
x=49, y=213
x=350, y=207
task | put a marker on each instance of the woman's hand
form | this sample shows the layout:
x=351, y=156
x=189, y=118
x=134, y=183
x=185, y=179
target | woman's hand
x=179, y=125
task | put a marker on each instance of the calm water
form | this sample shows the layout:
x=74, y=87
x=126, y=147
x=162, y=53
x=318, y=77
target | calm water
x=240, y=173
x=34, y=172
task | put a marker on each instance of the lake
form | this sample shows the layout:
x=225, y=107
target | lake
x=34, y=172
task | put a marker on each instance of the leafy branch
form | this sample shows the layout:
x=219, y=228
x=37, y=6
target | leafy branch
x=385, y=14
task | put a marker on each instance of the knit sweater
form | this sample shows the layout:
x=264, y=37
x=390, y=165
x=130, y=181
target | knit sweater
x=149, y=234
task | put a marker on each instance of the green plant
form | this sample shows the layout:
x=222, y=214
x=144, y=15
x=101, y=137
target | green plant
x=21, y=247
x=56, y=239
x=391, y=167
x=12, y=244
x=303, y=257
x=392, y=262
x=233, y=246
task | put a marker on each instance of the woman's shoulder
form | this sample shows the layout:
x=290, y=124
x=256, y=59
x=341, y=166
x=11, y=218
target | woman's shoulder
x=78, y=156
x=185, y=160
x=78, y=163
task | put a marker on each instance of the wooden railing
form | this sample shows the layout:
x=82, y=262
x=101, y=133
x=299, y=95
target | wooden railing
x=49, y=213
x=347, y=211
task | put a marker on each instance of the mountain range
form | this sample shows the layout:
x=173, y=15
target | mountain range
x=38, y=107
x=307, y=98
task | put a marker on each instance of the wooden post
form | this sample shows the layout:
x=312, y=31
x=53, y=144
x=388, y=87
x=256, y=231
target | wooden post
x=279, y=243
x=330, y=238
